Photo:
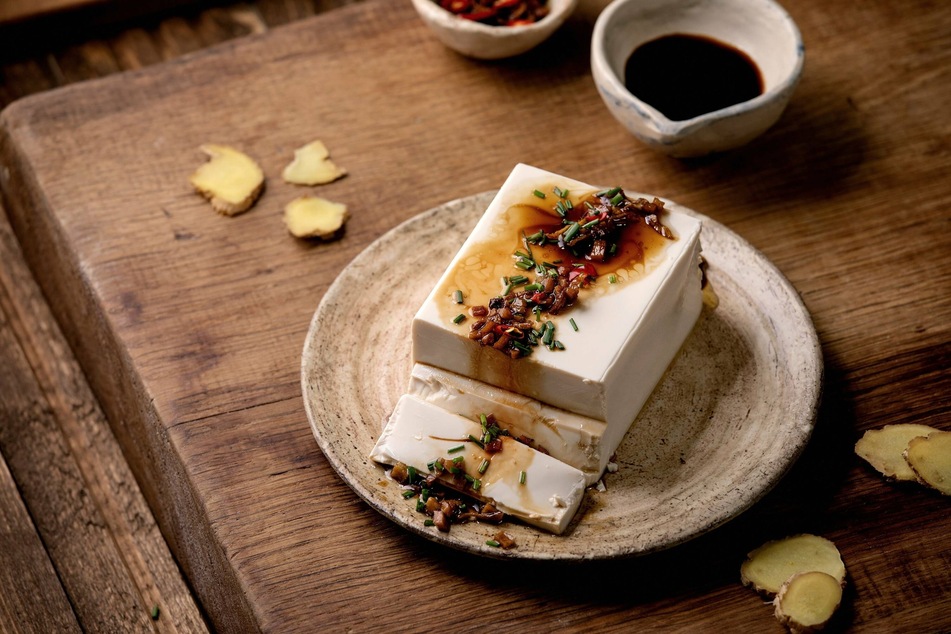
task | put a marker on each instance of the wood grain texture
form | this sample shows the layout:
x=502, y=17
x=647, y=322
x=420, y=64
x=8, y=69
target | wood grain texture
x=113, y=562
x=190, y=326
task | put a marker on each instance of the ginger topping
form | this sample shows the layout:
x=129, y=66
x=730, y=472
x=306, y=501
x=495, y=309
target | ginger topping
x=313, y=217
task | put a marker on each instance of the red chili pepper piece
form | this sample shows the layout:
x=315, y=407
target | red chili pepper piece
x=505, y=4
x=478, y=15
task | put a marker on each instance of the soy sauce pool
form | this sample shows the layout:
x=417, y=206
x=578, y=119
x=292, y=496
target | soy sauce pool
x=685, y=76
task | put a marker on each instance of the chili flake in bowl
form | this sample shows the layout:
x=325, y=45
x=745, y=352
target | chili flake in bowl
x=493, y=29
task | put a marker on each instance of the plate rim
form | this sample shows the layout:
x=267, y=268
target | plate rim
x=814, y=396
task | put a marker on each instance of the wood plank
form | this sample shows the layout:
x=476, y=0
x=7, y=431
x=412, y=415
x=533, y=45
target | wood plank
x=190, y=325
x=31, y=596
x=104, y=542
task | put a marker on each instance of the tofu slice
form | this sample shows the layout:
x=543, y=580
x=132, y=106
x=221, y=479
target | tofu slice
x=419, y=432
x=628, y=332
x=573, y=439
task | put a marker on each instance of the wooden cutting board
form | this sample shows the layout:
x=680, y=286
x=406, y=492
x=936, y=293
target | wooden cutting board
x=190, y=325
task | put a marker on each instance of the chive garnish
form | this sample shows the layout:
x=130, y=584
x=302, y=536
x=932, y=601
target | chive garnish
x=534, y=287
x=521, y=477
x=539, y=194
x=483, y=465
x=155, y=612
x=458, y=459
x=458, y=319
x=492, y=543
x=525, y=264
x=476, y=484
x=408, y=493
x=617, y=199
x=612, y=248
x=457, y=296
x=612, y=279
x=559, y=345
x=476, y=441
x=549, y=333
x=522, y=255
x=574, y=326
x=428, y=522
x=573, y=229
x=563, y=207
x=590, y=224
x=518, y=345
x=457, y=449
x=517, y=279
x=558, y=191
x=609, y=193
x=484, y=420
x=420, y=506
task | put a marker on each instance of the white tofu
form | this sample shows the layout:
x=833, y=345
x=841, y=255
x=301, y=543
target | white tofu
x=573, y=439
x=419, y=432
x=628, y=333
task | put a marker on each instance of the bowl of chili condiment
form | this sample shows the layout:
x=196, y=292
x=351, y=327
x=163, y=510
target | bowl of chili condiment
x=695, y=77
x=493, y=29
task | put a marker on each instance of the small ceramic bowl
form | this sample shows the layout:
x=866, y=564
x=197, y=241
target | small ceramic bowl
x=759, y=28
x=481, y=41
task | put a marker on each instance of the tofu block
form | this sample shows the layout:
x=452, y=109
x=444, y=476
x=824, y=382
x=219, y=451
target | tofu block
x=573, y=439
x=418, y=432
x=627, y=332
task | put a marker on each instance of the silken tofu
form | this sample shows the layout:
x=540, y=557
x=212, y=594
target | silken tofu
x=614, y=343
x=547, y=495
x=573, y=439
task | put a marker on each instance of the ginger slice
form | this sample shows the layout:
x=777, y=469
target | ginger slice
x=807, y=600
x=313, y=217
x=882, y=448
x=312, y=166
x=231, y=180
x=769, y=566
x=929, y=458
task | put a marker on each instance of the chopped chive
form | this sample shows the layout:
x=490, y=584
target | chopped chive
x=518, y=345
x=612, y=279
x=612, y=249
x=538, y=236
x=411, y=471
x=538, y=313
x=428, y=522
x=470, y=479
x=521, y=477
x=590, y=224
x=483, y=466
x=458, y=319
x=420, y=506
x=484, y=420
x=424, y=495
x=533, y=287
x=573, y=229
x=458, y=459
x=155, y=612
x=549, y=333
x=617, y=199
x=476, y=484
x=524, y=264
x=457, y=449
x=457, y=296
x=507, y=290
x=539, y=194
x=492, y=543
x=522, y=255
x=559, y=345
x=408, y=493
x=609, y=193
x=455, y=470
x=518, y=279
x=574, y=326
x=563, y=207
x=476, y=440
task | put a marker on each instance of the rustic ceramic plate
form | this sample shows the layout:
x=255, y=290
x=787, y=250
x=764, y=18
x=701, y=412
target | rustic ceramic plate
x=734, y=411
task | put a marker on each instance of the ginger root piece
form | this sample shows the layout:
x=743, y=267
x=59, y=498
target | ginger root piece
x=807, y=600
x=769, y=566
x=231, y=180
x=929, y=458
x=312, y=166
x=882, y=448
x=313, y=217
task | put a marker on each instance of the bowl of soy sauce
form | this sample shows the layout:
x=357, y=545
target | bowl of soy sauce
x=695, y=77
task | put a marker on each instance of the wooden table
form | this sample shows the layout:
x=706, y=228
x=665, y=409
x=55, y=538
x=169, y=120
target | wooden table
x=155, y=452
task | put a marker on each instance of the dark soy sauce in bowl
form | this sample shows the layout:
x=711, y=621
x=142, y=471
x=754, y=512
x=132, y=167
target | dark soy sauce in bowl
x=685, y=76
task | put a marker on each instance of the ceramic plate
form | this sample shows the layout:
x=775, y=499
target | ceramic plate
x=733, y=412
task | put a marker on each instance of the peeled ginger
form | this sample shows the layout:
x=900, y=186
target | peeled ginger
x=807, y=600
